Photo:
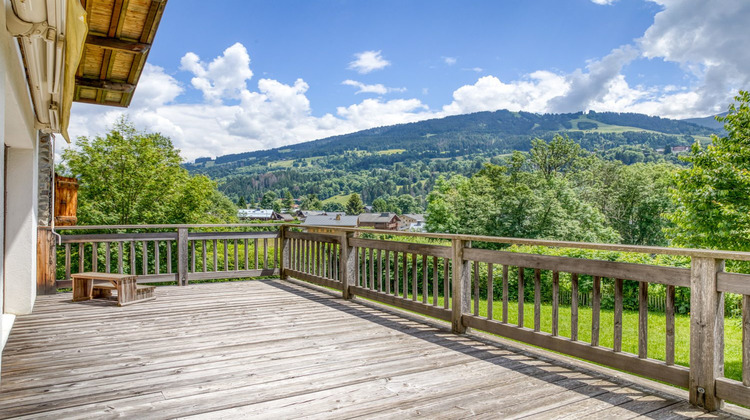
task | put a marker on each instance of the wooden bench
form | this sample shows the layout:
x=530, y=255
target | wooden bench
x=100, y=285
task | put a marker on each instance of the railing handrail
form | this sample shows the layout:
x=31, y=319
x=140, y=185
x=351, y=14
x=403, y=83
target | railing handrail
x=639, y=249
x=173, y=226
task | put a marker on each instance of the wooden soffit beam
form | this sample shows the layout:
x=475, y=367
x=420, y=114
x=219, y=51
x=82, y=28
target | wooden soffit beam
x=105, y=84
x=118, y=44
x=121, y=33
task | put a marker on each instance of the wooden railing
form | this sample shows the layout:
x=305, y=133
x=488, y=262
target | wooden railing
x=449, y=279
x=178, y=253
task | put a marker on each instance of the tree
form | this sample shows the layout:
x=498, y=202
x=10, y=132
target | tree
x=634, y=199
x=132, y=177
x=379, y=205
x=557, y=156
x=276, y=206
x=241, y=203
x=311, y=202
x=354, y=205
x=406, y=203
x=712, y=198
x=267, y=201
x=288, y=201
x=333, y=206
x=498, y=201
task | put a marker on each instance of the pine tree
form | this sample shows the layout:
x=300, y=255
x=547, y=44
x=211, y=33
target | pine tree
x=288, y=201
x=354, y=206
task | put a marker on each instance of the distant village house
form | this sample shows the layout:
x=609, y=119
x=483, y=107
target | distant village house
x=318, y=223
x=384, y=221
x=258, y=214
x=412, y=222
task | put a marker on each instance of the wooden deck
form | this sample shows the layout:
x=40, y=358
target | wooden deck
x=273, y=349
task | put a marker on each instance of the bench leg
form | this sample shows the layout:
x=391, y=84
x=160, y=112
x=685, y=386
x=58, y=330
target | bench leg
x=83, y=289
x=126, y=291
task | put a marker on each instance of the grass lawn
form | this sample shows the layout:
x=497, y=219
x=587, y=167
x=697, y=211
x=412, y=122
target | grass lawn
x=390, y=151
x=605, y=128
x=656, y=330
x=281, y=164
x=341, y=199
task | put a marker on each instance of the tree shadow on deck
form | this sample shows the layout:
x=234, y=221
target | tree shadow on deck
x=440, y=334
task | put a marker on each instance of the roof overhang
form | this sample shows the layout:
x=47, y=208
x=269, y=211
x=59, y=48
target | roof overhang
x=81, y=50
x=119, y=38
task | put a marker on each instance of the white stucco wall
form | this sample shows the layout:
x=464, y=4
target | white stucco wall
x=18, y=242
x=20, y=231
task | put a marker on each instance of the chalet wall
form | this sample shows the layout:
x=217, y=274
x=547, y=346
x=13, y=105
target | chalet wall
x=18, y=147
x=21, y=230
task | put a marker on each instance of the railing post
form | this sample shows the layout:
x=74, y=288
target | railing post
x=46, y=261
x=460, y=286
x=285, y=261
x=347, y=264
x=706, y=333
x=182, y=257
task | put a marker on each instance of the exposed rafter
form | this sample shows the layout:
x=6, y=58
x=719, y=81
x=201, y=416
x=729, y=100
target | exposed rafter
x=105, y=85
x=120, y=36
x=118, y=44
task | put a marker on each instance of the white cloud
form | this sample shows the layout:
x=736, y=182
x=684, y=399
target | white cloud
x=704, y=37
x=273, y=114
x=603, y=2
x=474, y=69
x=449, y=60
x=378, y=89
x=533, y=94
x=368, y=61
x=585, y=88
x=374, y=113
x=155, y=88
x=224, y=77
x=707, y=38
x=600, y=87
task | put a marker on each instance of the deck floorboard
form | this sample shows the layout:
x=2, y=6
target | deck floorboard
x=273, y=349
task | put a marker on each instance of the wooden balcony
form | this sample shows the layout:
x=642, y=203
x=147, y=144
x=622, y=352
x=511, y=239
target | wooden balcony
x=464, y=283
x=278, y=349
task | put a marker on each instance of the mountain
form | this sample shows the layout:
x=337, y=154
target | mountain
x=708, y=122
x=408, y=158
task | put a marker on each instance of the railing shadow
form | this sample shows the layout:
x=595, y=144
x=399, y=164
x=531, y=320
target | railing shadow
x=455, y=343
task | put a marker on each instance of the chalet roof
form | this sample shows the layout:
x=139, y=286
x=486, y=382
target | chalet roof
x=307, y=213
x=257, y=213
x=416, y=216
x=287, y=217
x=329, y=220
x=377, y=217
x=120, y=34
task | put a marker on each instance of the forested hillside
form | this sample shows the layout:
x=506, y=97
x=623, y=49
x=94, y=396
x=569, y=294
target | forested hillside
x=409, y=158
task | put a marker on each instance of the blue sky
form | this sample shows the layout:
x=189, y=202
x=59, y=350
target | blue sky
x=249, y=75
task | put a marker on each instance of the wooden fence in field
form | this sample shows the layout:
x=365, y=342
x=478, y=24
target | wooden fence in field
x=442, y=280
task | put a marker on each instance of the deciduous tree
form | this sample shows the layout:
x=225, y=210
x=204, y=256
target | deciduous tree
x=712, y=198
x=133, y=177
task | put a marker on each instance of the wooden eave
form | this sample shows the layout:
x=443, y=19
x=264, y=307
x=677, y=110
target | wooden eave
x=120, y=36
